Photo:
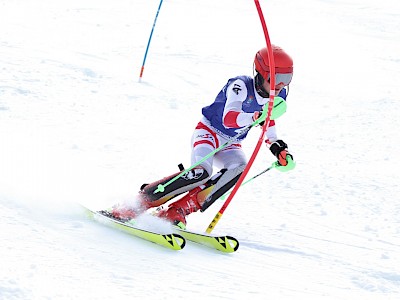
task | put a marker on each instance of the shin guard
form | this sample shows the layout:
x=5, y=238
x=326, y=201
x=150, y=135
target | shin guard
x=219, y=184
x=187, y=182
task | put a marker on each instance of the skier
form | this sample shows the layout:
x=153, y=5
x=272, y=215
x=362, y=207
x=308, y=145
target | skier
x=237, y=105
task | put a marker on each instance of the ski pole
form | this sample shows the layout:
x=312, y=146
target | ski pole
x=264, y=127
x=148, y=43
x=250, y=179
x=259, y=174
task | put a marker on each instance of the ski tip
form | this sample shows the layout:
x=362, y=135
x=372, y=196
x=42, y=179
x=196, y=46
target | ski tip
x=174, y=241
x=178, y=242
x=227, y=244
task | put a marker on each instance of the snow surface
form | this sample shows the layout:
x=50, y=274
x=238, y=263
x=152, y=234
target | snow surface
x=76, y=126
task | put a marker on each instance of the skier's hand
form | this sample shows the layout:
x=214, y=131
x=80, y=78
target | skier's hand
x=290, y=164
x=256, y=116
x=285, y=159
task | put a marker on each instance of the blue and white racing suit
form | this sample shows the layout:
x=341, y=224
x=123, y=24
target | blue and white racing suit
x=232, y=110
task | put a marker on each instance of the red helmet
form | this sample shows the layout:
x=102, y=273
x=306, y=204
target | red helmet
x=283, y=62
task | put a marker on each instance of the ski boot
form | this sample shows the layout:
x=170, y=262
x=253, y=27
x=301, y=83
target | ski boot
x=176, y=212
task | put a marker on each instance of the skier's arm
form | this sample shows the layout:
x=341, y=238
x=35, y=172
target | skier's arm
x=234, y=116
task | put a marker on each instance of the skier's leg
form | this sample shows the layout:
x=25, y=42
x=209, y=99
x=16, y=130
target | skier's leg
x=206, y=194
x=186, y=182
x=147, y=197
x=233, y=161
x=204, y=141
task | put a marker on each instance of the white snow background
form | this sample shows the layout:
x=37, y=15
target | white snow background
x=76, y=126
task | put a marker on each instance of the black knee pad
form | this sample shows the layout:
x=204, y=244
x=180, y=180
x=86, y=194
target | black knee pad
x=184, y=183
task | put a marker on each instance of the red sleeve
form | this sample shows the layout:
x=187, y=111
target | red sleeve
x=230, y=119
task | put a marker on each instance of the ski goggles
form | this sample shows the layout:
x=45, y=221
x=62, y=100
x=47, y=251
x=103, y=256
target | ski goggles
x=284, y=78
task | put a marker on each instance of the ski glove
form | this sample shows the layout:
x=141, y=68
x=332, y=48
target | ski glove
x=256, y=116
x=285, y=159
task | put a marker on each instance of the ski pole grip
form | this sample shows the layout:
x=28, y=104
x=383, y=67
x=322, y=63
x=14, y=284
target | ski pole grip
x=262, y=117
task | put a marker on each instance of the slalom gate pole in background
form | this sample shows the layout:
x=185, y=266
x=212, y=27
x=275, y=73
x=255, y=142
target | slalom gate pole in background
x=264, y=127
x=148, y=43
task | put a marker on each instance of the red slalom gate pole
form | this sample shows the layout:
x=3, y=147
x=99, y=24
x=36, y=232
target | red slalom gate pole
x=264, y=127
